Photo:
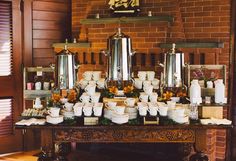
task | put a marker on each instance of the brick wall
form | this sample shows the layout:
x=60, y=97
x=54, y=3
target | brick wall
x=194, y=21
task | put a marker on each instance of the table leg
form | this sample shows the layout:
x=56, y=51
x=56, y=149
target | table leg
x=62, y=150
x=200, y=146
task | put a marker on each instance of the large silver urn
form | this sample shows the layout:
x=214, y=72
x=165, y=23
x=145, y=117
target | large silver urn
x=66, y=69
x=119, y=55
x=174, y=68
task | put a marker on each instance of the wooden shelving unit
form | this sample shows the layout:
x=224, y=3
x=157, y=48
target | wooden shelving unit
x=72, y=45
x=166, y=18
x=193, y=45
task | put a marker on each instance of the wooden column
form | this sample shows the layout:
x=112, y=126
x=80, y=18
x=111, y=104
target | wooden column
x=28, y=41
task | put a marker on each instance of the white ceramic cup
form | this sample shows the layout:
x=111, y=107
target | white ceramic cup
x=138, y=83
x=97, y=110
x=179, y=112
x=129, y=102
x=150, y=75
x=68, y=106
x=83, y=83
x=92, y=82
x=54, y=112
x=90, y=89
x=38, y=85
x=142, y=75
x=101, y=83
x=46, y=85
x=88, y=110
x=97, y=75
x=163, y=110
x=78, y=110
x=119, y=110
x=110, y=105
x=143, y=97
x=147, y=83
x=171, y=104
x=95, y=97
x=88, y=75
x=153, y=97
x=85, y=98
x=148, y=89
x=209, y=84
x=155, y=82
x=152, y=110
x=142, y=109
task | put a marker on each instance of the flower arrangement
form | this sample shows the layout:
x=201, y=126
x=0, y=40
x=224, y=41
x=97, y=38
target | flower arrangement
x=130, y=91
x=54, y=100
x=110, y=92
x=204, y=74
x=72, y=96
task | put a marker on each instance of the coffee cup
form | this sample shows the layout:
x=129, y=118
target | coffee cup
x=163, y=110
x=85, y=98
x=97, y=75
x=152, y=110
x=119, y=110
x=142, y=75
x=153, y=97
x=146, y=83
x=68, y=106
x=88, y=75
x=97, y=110
x=142, y=108
x=155, y=82
x=46, y=85
x=63, y=100
x=110, y=105
x=101, y=83
x=38, y=86
x=148, y=90
x=92, y=82
x=130, y=102
x=150, y=75
x=88, y=110
x=138, y=83
x=30, y=86
x=54, y=112
x=171, y=104
x=179, y=112
x=78, y=108
x=83, y=83
x=143, y=97
x=95, y=97
x=90, y=89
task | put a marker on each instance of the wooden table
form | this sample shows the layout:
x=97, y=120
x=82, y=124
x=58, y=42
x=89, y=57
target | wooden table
x=193, y=134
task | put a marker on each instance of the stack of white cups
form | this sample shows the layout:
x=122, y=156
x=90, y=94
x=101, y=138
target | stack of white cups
x=146, y=78
x=92, y=78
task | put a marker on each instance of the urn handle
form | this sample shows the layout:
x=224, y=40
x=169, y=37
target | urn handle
x=105, y=52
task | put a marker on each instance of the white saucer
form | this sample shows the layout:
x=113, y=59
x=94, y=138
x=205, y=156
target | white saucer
x=54, y=120
x=37, y=106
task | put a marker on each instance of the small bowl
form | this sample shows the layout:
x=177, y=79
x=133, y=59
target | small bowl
x=175, y=99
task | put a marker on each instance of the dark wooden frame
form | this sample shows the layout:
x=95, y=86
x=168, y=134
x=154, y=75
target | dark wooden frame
x=232, y=78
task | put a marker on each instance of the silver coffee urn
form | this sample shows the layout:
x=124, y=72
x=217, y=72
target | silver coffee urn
x=66, y=69
x=173, y=68
x=119, y=55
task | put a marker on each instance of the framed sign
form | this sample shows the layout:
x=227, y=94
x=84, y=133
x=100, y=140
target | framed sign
x=124, y=6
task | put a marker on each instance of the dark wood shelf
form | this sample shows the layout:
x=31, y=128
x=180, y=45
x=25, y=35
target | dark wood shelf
x=193, y=45
x=166, y=18
x=72, y=45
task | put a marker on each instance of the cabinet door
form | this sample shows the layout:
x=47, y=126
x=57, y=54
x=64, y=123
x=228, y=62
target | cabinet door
x=10, y=77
